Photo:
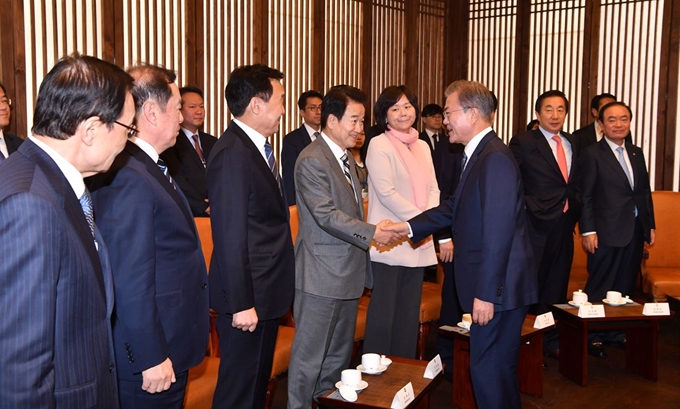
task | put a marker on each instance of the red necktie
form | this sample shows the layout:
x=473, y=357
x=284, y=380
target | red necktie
x=562, y=163
x=198, y=148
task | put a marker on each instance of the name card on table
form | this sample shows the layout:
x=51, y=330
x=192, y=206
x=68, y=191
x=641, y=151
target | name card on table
x=403, y=397
x=434, y=367
x=544, y=320
x=591, y=311
x=656, y=308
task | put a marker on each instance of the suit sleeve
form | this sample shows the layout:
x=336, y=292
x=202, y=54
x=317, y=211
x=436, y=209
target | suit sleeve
x=229, y=185
x=314, y=189
x=124, y=213
x=516, y=148
x=383, y=182
x=29, y=275
x=499, y=181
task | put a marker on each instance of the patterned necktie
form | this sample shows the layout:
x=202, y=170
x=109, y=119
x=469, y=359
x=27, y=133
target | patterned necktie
x=562, y=164
x=316, y=135
x=86, y=204
x=462, y=165
x=622, y=161
x=197, y=146
x=272, y=163
x=164, y=168
x=345, y=170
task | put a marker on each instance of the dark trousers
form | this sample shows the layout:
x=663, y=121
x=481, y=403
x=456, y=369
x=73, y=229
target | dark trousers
x=451, y=314
x=245, y=364
x=133, y=397
x=494, y=353
x=393, y=314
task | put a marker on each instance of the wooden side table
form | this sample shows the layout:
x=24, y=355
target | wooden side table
x=641, y=339
x=530, y=366
x=382, y=388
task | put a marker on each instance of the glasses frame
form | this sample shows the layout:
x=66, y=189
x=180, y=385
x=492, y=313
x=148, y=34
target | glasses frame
x=132, y=130
x=6, y=101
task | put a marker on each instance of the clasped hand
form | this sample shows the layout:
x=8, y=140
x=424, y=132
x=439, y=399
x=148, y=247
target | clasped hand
x=384, y=236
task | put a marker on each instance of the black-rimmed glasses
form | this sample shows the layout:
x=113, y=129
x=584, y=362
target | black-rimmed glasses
x=132, y=131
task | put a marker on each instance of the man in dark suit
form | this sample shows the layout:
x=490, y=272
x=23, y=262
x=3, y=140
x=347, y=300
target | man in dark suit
x=293, y=143
x=332, y=261
x=618, y=214
x=494, y=266
x=252, y=270
x=592, y=133
x=162, y=319
x=547, y=163
x=57, y=292
x=432, y=117
x=186, y=160
x=8, y=143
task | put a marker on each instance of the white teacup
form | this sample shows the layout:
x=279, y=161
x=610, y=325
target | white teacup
x=350, y=377
x=467, y=318
x=370, y=362
x=614, y=297
x=579, y=297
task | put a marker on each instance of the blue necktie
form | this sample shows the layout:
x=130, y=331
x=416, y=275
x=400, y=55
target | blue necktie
x=86, y=204
x=462, y=165
x=272, y=163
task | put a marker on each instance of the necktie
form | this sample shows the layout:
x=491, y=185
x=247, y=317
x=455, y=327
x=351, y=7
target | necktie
x=164, y=168
x=316, y=135
x=197, y=146
x=86, y=204
x=345, y=170
x=462, y=165
x=562, y=164
x=435, y=138
x=272, y=162
x=622, y=161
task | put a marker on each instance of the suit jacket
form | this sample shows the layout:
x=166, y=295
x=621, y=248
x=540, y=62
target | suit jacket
x=390, y=196
x=545, y=190
x=587, y=136
x=608, y=200
x=493, y=258
x=57, y=294
x=158, y=266
x=448, y=160
x=423, y=136
x=253, y=262
x=188, y=171
x=331, y=258
x=293, y=144
x=12, y=141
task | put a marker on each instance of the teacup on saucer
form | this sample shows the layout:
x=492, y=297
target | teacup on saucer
x=362, y=385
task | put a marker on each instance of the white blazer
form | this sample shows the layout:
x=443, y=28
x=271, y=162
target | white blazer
x=390, y=197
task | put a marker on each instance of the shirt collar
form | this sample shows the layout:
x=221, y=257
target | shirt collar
x=338, y=152
x=310, y=130
x=73, y=176
x=614, y=146
x=146, y=147
x=472, y=145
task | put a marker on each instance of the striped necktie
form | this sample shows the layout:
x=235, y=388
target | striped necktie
x=272, y=163
x=86, y=204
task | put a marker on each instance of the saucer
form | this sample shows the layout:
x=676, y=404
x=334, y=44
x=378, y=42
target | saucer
x=380, y=370
x=463, y=325
x=385, y=361
x=362, y=385
x=573, y=304
x=615, y=304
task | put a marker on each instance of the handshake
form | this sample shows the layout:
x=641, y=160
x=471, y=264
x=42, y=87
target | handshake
x=388, y=232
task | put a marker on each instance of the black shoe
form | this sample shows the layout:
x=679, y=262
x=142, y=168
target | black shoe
x=597, y=350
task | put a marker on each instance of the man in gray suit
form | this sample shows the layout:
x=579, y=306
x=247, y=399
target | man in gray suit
x=332, y=264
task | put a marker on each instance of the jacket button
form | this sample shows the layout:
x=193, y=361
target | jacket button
x=204, y=286
x=111, y=368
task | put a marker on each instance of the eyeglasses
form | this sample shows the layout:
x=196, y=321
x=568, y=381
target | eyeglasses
x=132, y=131
x=6, y=101
x=313, y=108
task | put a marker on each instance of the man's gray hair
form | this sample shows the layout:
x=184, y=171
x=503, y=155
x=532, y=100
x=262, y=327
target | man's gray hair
x=473, y=95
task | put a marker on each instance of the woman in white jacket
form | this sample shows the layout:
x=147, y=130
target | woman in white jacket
x=401, y=185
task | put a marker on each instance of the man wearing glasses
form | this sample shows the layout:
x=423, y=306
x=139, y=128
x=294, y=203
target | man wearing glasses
x=8, y=142
x=310, y=111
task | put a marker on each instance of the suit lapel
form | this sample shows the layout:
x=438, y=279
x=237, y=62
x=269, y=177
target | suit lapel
x=611, y=159
x=184, y=141
x=172, y=190
x=71, y=204
x=339, y=174
x=472, y=160
x=544, y=148
x=636, y=163
x=258, y=161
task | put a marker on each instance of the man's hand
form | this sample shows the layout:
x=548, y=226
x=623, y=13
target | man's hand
x=207, y=210
x=590, y=243
x=384, y=235
x=482, y=312
x=158, y=378
x=446, y=251
x=245, y=320
x=652, y=238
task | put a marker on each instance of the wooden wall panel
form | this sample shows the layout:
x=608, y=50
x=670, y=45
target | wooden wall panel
x=430, y=64
x=389, y=46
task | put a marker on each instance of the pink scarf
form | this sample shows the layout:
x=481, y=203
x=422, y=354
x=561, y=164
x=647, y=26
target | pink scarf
x=414, y=157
